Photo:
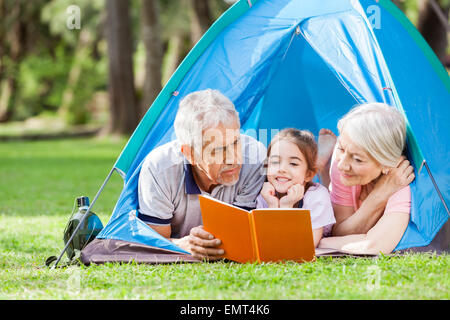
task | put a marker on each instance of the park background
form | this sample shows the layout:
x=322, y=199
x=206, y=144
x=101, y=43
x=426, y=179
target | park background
x=76, y=77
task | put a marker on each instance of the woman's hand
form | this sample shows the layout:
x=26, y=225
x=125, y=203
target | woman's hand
x=396, y=179
x=269, y=194
x=294, y=194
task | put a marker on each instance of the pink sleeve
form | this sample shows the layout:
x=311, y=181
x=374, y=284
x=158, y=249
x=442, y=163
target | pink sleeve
x=339, y=194
x=400, y=201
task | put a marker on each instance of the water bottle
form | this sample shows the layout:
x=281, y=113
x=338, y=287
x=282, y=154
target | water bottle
x=87, y=232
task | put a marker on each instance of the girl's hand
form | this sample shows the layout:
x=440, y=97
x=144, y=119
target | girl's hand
x=294, y=194
x=269, y=194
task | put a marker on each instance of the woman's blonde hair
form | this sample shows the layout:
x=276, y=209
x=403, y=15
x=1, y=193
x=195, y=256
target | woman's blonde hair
x=377, y=128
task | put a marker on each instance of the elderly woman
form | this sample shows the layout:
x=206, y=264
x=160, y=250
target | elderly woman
x=370, y=180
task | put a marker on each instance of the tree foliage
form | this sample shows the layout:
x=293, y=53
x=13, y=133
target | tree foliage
x=47, y=67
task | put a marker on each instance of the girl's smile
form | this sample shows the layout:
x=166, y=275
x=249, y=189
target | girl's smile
x=286, y=166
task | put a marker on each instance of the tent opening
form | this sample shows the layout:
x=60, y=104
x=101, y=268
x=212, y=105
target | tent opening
x=302, y=93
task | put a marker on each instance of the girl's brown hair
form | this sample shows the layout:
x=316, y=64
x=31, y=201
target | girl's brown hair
x=305, y=142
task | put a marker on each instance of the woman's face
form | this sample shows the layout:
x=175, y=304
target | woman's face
x=286, y=166
x=355, y=165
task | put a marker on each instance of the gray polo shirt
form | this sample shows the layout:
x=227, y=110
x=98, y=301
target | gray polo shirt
x=168, y=193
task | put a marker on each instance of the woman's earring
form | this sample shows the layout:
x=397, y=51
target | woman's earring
x=385, y=171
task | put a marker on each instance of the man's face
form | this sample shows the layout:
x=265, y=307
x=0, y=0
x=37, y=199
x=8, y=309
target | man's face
x=220, y=159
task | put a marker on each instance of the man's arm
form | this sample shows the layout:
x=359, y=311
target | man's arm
x=200, y=243
x=165, y=230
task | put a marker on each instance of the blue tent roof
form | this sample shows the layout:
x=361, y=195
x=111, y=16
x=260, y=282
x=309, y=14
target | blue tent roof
x=304, y=64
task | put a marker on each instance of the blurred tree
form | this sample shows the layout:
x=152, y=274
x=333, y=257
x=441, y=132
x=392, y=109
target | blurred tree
x=84, y=75
x=201, y=19
x=45, y=67
x=178, y=39
x=42, y=61
x=124, y=112
x=48, y=67
x=175, y=19
x=433, y=25
x=17, y=37
x=151, y=37
x=76, y=113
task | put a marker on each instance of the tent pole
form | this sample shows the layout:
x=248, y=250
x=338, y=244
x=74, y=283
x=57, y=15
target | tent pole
x=436, y=187
x=84, y=217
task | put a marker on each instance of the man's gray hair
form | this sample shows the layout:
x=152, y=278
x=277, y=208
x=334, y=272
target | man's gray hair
x=201, y=110
x=379, y=129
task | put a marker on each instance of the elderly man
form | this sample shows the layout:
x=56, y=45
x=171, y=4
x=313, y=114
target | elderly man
x=210, y=157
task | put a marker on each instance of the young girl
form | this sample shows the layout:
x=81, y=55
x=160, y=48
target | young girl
x=291, y=166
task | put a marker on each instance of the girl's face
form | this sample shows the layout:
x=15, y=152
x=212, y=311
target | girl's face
x=355, y=165
x=287, y=166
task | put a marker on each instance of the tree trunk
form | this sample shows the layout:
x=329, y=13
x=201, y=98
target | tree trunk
x=154, y=53
x=173, y=56
x=432, y=27
x=69, y=111
x=201, y=19
x=16, y=39
x=124, y=113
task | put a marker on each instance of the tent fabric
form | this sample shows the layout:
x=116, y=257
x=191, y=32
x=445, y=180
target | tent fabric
x=101, y=251
x=304, y=64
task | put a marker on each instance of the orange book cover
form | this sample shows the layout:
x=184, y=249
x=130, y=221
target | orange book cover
x=260, y=235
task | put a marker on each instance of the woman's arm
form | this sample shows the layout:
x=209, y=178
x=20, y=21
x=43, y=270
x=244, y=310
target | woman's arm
x=317, y=235
x=362, y=220
x=372, y=208
x=383, y=237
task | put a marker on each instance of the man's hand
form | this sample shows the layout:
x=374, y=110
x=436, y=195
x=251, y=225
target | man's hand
x=201, y=244
x=294, y=194
x=269, y=194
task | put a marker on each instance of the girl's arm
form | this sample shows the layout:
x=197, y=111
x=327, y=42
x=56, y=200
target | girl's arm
x=383, y=237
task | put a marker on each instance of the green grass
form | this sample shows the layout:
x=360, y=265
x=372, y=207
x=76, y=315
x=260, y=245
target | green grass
x=38, y=184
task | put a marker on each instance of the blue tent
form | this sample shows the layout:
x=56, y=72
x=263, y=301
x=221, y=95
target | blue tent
x=304, y=64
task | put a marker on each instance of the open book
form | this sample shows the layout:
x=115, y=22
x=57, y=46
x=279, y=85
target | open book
x=261, y=235
x=322, y=252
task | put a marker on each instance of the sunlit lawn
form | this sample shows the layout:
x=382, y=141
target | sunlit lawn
x=38, y=184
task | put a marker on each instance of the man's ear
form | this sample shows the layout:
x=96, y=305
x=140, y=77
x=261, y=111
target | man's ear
x=188, y=152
